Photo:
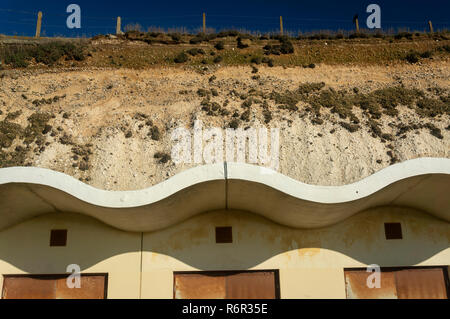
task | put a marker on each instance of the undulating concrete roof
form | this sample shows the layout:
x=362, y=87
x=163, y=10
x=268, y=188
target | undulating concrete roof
x=423, y=184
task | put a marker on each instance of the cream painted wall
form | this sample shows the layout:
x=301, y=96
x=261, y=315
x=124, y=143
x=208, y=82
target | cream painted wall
x=95, y=247
x=311, y=262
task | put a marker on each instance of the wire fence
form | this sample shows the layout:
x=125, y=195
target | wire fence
x=23, y=23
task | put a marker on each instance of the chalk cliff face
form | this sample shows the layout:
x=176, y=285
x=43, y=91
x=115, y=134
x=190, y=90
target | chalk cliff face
x=113, y=129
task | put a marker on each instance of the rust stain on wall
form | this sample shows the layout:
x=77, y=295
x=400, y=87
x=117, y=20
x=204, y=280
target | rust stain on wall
x=308, y=252
x=363, y=233
x=183, y=236
x=416, y=221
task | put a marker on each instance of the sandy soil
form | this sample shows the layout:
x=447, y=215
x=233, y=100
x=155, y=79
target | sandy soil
x=97, y=112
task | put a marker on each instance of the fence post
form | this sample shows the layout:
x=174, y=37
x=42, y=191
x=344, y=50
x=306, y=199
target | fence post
x=357, y=25
x=431, y=26
x=281, y=25
x=204, y=22
x=38, y=25
x=118, y=31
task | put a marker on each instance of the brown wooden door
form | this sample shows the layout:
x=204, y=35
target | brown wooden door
x=226, y=285
x=251, y=285
x=412, y=283
x=199, y=286
x=53, y=287
x=356, y=285
x=421, y=284
x=28, y=288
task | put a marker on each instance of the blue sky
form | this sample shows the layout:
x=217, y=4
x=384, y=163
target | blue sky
x=98, y=16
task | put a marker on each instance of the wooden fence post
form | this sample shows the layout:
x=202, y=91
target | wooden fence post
x=356, y=22
x=204, y=22
x=431, y=26
x=38, y=25
x=281, y=25
x=118, y=29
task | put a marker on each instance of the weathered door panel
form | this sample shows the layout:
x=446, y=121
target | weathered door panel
x=251, y=285
x=53, y=287
x=225, y=284
x=92, y=287
x=199, y=286
x=421, y=284
x=357, y=288
x=28, y=288
x=411, y=283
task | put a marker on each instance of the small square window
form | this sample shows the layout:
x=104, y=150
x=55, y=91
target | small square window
x=393, y=230
x=58, y=237
x=224, y=235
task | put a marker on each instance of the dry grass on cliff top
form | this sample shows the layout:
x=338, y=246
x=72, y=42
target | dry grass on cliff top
x=143, y=50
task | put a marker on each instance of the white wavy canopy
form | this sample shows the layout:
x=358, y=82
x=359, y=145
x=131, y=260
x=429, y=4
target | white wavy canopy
x=422, y=184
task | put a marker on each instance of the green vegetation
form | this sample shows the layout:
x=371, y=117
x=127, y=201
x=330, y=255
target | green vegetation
x=219, y=45
x=427, y=107
x=181, y=58
x=37, y=125
x=196, y=51
x=240, y=44
x=272, y=49
x=373, y=105
x=154, y=133
x=8, y=133
x=49, y=53
x=350, y=127
x=163, y=157
x=234, y=124
x=218, y=59
x=285, y=47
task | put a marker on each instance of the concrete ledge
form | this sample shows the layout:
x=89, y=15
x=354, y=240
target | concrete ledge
x=422, y=183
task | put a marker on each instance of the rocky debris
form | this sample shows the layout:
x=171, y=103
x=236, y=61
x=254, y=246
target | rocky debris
x=127, y=117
